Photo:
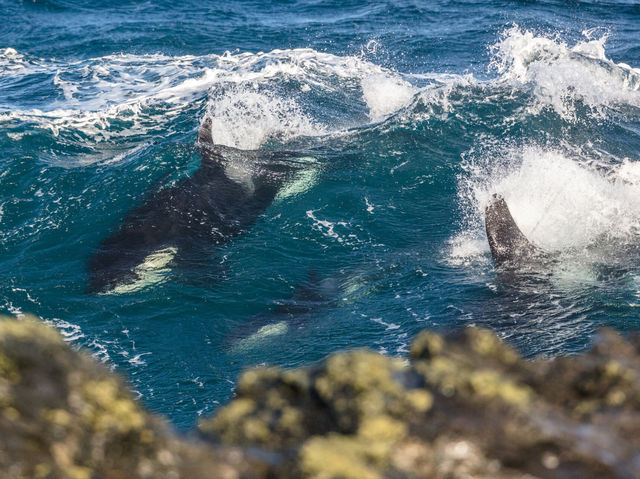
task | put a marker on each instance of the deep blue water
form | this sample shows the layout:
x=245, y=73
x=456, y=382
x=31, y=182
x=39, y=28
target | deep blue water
x=413, y=113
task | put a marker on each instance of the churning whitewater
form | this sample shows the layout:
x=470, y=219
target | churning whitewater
x=359, y=147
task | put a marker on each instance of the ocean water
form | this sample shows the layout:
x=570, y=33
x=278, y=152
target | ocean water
x=410, y=114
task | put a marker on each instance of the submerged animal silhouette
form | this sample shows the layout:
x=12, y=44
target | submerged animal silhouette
x=309, y=297
x=183, y=223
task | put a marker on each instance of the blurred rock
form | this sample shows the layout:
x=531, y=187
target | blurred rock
x=463, y=406
x=63, y=415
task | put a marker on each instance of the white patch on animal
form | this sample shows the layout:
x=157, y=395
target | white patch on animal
x=302, y=182
x=240, y=173
x=261, y=335
x=151, y=271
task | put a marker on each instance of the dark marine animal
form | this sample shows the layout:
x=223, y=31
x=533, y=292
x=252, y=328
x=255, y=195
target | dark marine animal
x=291, y=314
x=183, y=222
x=509, y=246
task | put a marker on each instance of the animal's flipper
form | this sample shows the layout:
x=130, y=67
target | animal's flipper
x=215, y=155
x=509, y=247
x=204, y=133
x=212, y=154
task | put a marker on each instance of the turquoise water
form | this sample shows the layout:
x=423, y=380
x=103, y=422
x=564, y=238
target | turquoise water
x=410, y=115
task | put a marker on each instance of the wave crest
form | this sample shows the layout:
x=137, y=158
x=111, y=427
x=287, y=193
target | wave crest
x=561, y=75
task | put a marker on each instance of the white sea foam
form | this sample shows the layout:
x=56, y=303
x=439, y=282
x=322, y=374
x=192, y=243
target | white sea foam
x=561, y=204
x=11, y=61
x=560, y=75
x=73, y=333
x=69, y=331
x=137, y=361
x=244, y=119
x=326, y=227
x=265, y=95
x=252, y=96
x=385, y=94
x=435, y=98
x=109, y=97
x=466, y=248
x=557, y=199
x=387, y=326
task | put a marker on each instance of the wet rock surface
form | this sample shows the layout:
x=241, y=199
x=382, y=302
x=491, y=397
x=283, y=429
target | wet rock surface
x=463, y=406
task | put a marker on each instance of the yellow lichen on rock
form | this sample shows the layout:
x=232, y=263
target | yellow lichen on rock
x=106, y=408
x=57, y=417
x=231, y=418
x=382, y=428
x=490, y=384
x=419, y=399
x=487, y=344
x=426, y=345
x=8, y=370
x=353, y=456
x=63, y=415
x=465, y=406
x=337, y=456
x=362, y=383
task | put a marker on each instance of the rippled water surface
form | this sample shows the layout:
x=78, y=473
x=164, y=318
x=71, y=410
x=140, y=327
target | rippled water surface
x=409, y=115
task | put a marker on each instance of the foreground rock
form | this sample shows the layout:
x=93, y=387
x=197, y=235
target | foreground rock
x=463, y=406
x=62, y=415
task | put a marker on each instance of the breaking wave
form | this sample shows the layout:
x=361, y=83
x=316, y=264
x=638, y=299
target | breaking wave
x=560, y=75
x=252, y=97
x=558, y=201
x=566, y=190
x=257, y=97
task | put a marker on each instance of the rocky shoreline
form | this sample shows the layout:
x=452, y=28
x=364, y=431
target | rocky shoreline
x=464, y=405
